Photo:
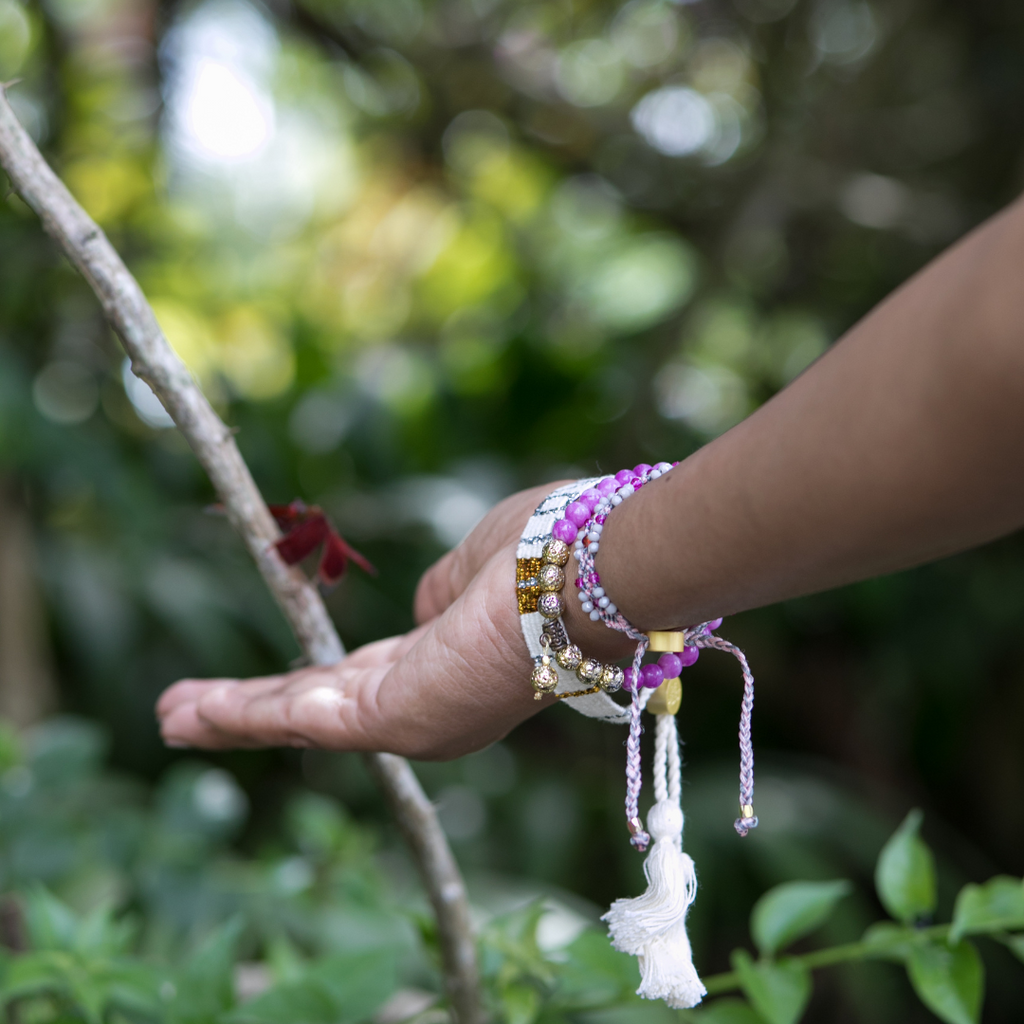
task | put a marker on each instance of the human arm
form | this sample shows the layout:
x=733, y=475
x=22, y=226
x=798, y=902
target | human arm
x=901, y=444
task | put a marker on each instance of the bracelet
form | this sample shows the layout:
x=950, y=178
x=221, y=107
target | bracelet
x=545, y=636
x=652, y=926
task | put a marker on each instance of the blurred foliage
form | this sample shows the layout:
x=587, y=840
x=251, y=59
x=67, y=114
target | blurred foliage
x=421, y=254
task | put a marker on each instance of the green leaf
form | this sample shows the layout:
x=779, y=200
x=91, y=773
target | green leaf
x=204, y=986
x=335, y=990
x=1015, y=943
x=905, y=874
x=791, y=910
x=949, y=981
x=520, y=1004
x=998, y=905
x=779, y=990
x=50, y=923
x=725, y=1011
x=595, y=974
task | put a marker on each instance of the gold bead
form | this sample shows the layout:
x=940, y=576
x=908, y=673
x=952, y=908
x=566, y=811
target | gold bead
x=543, y=679
x=666, y=640
x=550, y=605
x=550, y=577
x=589, y=670
x=569, y=657
x=556, y=552
x=612, y=678
x=666, y=698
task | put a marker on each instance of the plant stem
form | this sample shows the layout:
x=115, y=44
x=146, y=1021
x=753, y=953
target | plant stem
x=729, y=981
x=155, y=362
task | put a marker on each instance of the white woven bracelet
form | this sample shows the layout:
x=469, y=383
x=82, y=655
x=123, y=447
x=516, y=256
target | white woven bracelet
x=535, y=535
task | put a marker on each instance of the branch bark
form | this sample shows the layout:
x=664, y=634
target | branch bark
x=156, y=362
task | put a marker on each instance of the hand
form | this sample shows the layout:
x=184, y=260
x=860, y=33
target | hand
x=448, y=688
x=449, y=576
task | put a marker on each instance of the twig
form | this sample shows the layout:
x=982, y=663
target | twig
x=158, y=365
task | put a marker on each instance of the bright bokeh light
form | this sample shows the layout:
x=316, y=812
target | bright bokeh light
x=676, y=121
x=219, y=62
x=226, y=116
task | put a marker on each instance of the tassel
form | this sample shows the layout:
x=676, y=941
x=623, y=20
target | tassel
x=652, y=927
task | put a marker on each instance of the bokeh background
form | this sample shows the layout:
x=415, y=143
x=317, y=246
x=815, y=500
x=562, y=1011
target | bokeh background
x=421, y=253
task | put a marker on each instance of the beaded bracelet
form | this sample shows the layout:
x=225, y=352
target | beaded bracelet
x=540, y=614
x=652, y=926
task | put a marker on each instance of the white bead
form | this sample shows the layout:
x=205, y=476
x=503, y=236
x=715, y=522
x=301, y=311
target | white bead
x=593, y=535
x=597, y=528
x=617, y=500
x=595, y=616
x=603, y=602
x=593, y=547
x=626, y=490
x=611, y=609
x=581, y=595
x=655, y=473
x=581, y=533
x=598, y=591
x=663, y=467
x=588, y=606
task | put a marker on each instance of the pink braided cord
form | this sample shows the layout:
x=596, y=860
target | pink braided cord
x=697, y=636
x=744, y=823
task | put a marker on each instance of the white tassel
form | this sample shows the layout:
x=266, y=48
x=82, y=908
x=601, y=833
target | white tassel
x=652, y=927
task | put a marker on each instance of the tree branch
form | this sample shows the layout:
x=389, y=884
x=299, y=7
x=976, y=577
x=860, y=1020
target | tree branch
x=156, y=362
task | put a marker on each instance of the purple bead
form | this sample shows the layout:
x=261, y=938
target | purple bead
x=564, y=530
x=714, y=624
x=671, y=665
x=623, y=477
x=689, y=655
x=577, y=513
x=636, y=481
x=651, y=676
x=589, y=498
x=642, y=468
x=628, y=681
x=601, y=519
x=607, y=486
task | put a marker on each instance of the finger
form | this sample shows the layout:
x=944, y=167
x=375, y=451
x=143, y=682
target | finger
x=186, y=691
x=184, y=728
x=318, y=707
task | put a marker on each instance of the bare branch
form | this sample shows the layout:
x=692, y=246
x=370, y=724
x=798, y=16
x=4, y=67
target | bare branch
x=156, y=362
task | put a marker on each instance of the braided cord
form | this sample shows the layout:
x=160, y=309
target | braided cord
x=748, y=819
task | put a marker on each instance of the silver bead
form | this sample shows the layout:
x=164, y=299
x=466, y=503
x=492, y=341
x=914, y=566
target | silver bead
x=550, y=605
x=569, y=657
x=556, y=552
x=588, y=606
x=589, y=670
x=612, y=678
x=550, y=577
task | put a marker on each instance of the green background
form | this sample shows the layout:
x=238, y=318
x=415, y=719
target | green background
x=436, y=252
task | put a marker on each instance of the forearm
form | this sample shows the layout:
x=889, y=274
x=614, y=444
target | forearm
x=902, y=444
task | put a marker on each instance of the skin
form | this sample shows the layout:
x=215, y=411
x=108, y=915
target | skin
x=902, y=444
